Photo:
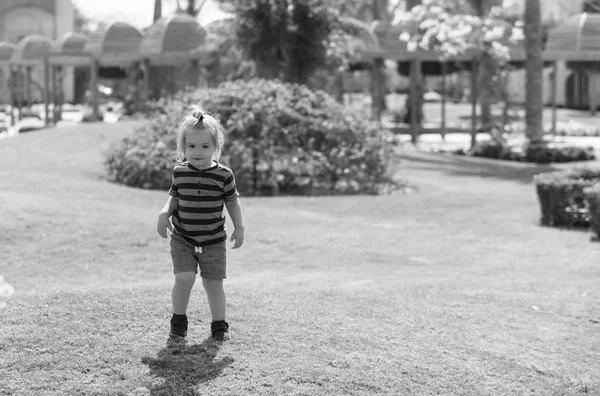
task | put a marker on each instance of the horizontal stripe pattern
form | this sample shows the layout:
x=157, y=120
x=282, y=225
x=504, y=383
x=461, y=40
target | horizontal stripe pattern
x=201, y=196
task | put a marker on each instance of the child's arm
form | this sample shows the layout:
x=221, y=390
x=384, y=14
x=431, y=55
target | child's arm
x=164, y=216
x=235, y=212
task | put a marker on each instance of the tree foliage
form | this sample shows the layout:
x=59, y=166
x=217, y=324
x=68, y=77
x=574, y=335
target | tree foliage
x=287, y=39
x=436, y=25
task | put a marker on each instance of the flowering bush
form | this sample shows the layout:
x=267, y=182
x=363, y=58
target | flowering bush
x=441, y=27
x=280, y=139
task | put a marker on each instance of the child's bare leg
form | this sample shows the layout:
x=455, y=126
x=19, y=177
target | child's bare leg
x=216, y=297
x=184, y=281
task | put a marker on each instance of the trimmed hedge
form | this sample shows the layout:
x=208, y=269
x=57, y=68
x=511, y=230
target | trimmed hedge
x=592, y=198
x=541, y=154
x=561, y=196
x=279, y=139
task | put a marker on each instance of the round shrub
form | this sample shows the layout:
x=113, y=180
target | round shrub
x=592, y=198
x=279, y=139
x=561, y=196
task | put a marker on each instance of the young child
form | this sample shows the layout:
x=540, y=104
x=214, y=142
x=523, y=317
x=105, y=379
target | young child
x=200, y=188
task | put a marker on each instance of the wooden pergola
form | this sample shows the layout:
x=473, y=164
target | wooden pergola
x=391, y=47
x=68, y=51
x=576, y=40
x=176, y=41
x=29, y=53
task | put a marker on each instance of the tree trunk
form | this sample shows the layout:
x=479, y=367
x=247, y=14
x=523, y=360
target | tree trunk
x=157, y=10
x=487, y=71
x=534, y=72
x=378, y=81
x=419, y=87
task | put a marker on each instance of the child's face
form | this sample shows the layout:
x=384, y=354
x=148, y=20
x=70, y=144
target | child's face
x=199, y=148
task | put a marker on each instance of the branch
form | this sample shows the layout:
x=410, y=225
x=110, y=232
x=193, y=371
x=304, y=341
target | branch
x=200, y=6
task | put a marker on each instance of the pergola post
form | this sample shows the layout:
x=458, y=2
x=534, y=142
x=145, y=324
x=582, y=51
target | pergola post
x=146, y=74
x=553, y=91
x=444, y=75
x=94, y=87
x=415, y=72
x=28, y=80
x=13, y=93
x=54, y=95
x=592, y=90
x=46, y=89
x=61, y=96
x=474, y=96
x=20, y=91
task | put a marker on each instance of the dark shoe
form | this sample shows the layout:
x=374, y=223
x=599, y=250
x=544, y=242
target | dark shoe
x=220, y=330
x=179, y=324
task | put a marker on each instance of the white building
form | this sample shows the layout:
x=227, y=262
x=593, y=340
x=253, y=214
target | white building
x=571, y=88
x=49, y=18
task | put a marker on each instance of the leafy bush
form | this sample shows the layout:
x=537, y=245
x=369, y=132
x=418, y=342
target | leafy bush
x=496, y=150
x=544, y=154
x=280, y=139
x=561, y=196
x=145, y=158
x=531, y=153
x=592, y=198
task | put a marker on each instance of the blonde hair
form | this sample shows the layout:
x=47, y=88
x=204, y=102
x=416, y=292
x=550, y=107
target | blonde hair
x=199, y=120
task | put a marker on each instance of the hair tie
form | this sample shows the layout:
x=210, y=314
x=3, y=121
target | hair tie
x=198, y=114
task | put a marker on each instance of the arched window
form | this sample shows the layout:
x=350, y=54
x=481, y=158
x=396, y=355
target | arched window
x=21, y=22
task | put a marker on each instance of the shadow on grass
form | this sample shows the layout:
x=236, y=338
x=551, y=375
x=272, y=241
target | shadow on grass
x=183, y=367
x=480, y=167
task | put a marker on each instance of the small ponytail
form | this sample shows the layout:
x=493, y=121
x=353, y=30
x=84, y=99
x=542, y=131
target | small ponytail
x=197, y=113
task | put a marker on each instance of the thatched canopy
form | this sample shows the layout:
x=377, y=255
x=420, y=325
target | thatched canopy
x=6, y=51
x=31, y=50
x=172, y=40
x=117, y=44
x=70, y=50
x=71, y=43
x=577, y=39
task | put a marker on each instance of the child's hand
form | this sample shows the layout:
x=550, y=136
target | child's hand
x=238, y=237
x=163, y=224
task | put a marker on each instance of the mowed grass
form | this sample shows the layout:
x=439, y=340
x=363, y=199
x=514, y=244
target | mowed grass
x=453, y=289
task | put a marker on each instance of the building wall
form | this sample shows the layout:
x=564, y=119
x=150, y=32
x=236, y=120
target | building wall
x=49, y=18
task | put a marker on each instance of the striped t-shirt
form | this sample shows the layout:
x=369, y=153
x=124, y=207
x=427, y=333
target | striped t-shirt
x=201, y=195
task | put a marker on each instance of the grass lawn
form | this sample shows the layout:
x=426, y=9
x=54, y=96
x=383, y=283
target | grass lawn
x=453, y=289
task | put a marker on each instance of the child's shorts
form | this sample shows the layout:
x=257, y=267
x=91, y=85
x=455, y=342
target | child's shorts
x=212, y=260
